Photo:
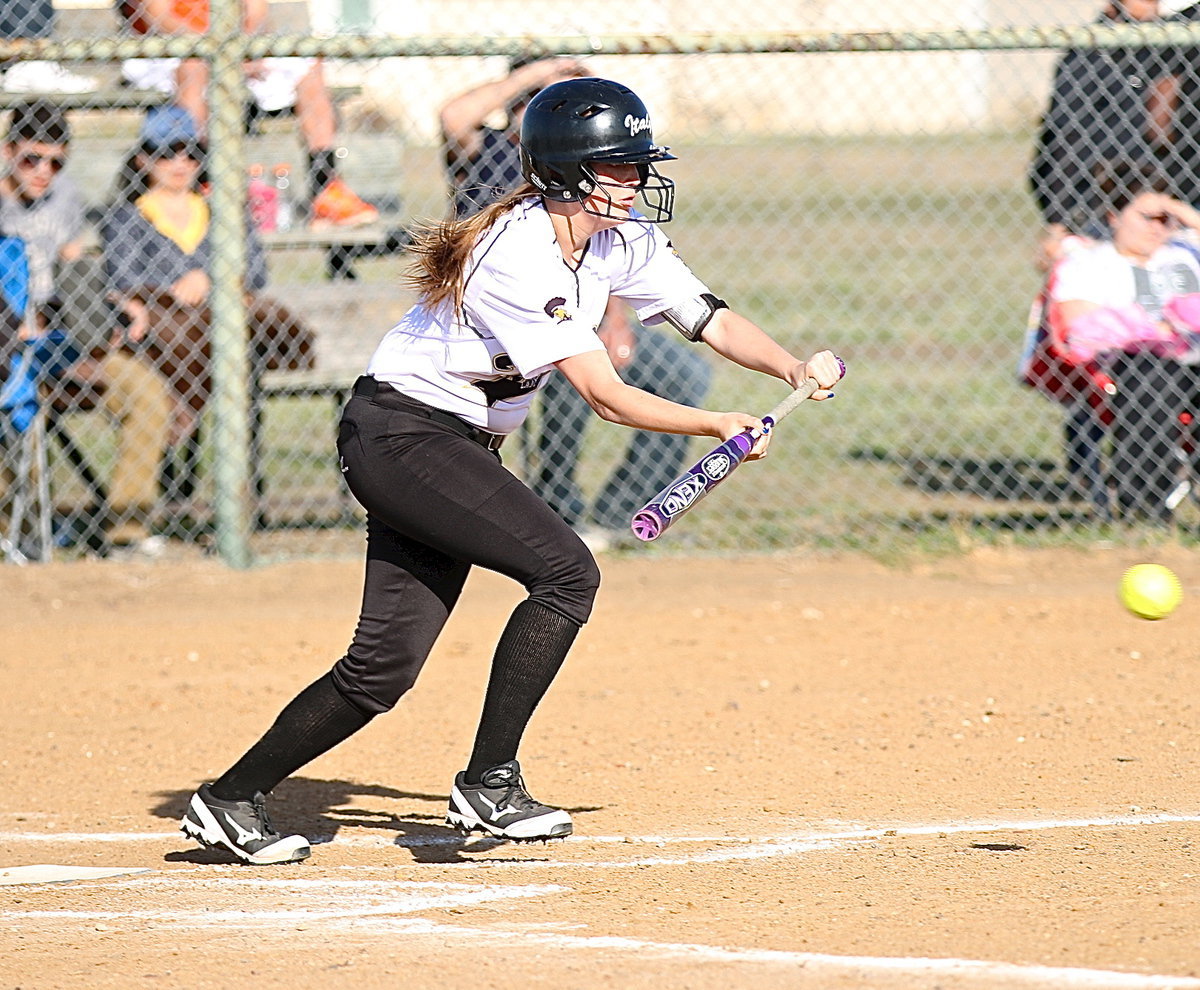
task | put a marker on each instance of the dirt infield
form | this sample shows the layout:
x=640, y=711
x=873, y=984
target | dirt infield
x=975, y=772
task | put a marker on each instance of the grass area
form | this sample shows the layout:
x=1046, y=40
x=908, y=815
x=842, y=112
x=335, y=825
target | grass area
x=910, y=257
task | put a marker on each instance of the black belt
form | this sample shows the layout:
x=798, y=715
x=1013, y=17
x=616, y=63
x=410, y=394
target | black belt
x=391, y=398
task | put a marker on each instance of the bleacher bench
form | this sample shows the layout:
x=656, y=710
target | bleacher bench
x=117, y=98
x=343, y=246
x=126, y=98
x=291, y=385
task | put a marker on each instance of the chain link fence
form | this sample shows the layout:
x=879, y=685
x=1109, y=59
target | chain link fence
x=851, y=174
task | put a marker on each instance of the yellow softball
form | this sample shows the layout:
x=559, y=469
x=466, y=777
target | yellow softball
x=1150, y=591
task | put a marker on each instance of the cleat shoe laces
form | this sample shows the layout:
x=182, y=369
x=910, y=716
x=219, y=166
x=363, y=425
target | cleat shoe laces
x=500, y=805
x=241, y=827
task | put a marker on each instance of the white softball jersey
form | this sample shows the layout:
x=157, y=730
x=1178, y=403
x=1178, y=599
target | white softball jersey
x=524, y=308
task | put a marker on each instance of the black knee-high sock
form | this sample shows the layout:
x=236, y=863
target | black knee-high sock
x=315, y=721
x=322, y=170
x=531, y=649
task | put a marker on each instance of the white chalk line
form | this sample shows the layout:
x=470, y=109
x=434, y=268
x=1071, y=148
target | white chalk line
x=728, y=848
x=386, y=903
x=1051, y=977
x=347, y=901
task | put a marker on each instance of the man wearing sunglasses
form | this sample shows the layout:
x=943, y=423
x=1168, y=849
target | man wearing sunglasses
x=38, y=204
x=43, y=207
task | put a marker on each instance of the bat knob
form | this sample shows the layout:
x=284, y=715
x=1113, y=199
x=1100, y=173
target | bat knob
x=841, y=367
x=646, y=526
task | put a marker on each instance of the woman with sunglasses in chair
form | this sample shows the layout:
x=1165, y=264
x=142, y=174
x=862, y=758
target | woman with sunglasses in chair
x=158, y=251
x=1132, y=303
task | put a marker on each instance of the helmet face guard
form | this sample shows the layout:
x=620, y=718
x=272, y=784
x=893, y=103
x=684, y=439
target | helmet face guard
x=572, y=126
x=656, y=190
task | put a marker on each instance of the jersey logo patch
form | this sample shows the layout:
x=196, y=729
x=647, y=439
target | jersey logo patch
x=508, y=387
x=557, y=308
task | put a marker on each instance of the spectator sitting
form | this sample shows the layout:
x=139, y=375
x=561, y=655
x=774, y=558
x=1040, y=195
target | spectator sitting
x=483, y=163
x=1129, y=302
x=158, y=249
x=29, y=19
x=44, y=209
x=275, y=84
x=1106, y=105
x=37, y=203
x=1182, y=99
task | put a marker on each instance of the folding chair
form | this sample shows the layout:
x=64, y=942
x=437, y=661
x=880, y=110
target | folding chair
x=22, y=425
x=26, y=421
x=80, y=307
x=1093, y=400
x=1084, y=390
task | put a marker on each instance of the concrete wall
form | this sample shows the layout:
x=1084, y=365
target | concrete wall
x=731, y=95
x=744, y=94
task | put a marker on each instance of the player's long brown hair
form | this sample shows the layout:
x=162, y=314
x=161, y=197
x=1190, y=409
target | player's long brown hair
x=441, y=250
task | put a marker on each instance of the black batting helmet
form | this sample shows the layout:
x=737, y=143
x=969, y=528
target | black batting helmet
x=576, y=122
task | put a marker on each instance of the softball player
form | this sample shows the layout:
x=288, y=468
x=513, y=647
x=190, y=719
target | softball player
x=505, y=297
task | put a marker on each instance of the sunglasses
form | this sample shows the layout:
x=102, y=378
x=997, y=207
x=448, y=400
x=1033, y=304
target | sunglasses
x=176, y=150
x=31, y=160
x=1164, y=218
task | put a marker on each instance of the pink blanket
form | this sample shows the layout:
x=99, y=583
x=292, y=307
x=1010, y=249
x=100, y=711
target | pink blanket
x=1129, y=328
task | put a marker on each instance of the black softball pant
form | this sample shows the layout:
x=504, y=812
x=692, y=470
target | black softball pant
x=438, y=503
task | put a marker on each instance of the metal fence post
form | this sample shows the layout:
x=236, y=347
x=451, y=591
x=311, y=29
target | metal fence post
x=231, y=363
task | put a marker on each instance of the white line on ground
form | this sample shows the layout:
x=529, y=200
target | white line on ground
x=727, y=848
x=851, y=832
x=383, y=907
x=814, y=963
x=349, y=902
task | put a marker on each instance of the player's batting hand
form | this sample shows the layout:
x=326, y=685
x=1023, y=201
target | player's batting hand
x=825, y=367
x=736, y=423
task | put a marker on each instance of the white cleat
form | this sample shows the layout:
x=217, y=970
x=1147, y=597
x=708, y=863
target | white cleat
x=499, y=805
x=242, y=828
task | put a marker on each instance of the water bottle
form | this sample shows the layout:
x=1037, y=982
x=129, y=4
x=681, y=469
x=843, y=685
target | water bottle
x=285, y=211
x=263, y=200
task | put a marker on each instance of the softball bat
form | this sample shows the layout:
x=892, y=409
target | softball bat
x=682, y=494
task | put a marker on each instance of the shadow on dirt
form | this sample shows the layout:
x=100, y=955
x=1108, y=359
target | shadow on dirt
x=1000, y=479
x=325, y=809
